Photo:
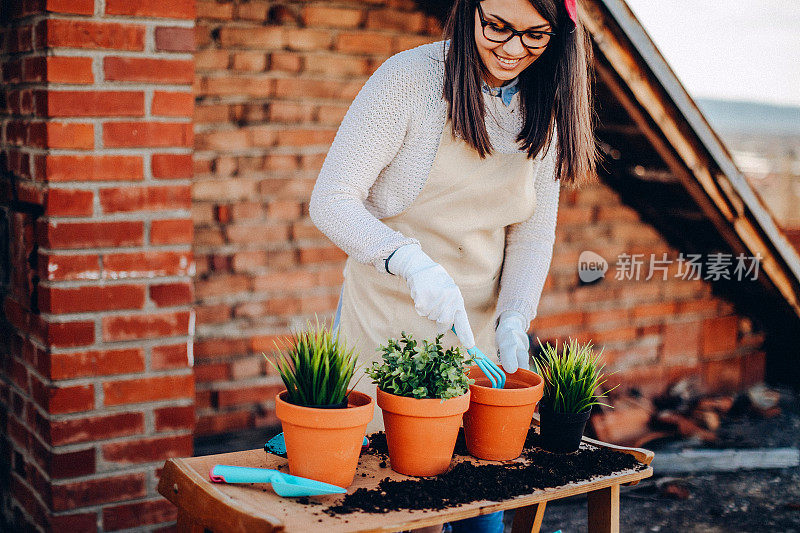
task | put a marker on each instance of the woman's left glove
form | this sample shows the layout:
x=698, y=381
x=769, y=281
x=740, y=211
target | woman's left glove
x=512, y=341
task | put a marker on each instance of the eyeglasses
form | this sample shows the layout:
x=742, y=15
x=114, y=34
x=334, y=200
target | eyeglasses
x=531, y=39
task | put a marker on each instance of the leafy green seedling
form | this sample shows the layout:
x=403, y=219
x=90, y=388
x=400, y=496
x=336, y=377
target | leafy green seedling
x=421, y=371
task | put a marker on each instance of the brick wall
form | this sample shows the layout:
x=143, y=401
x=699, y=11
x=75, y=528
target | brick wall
x=97, y=386
x=273, y=82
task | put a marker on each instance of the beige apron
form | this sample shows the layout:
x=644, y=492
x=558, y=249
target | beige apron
x=460, y=219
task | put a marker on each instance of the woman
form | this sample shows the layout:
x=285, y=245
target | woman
x=442, y=183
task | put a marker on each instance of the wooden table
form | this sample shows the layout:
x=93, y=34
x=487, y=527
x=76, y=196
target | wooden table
x=224, y=508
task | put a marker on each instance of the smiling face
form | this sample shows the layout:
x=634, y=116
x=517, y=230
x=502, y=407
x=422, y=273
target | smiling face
x=504, y=61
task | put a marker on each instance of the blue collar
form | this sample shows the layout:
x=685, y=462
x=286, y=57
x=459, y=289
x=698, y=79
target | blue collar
x=505, y=92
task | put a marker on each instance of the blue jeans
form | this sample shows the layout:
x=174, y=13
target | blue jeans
x=485, y=523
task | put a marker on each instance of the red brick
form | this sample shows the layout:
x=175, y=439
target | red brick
x=69, y=69
x=322, y=254
x=332, y=17
x=60, y=168
x=221, y=422
x=69, y=334
x=174, y=39
x=148, y=389
x=364, y=43
x=753, y=368
x=292, y=280
x=206, y=373
x=174, y=418
x=69, y=203
x=148, y=326
x=93, y=298
x=76, y=136
x=27, y=499
x=68, y=267
x=719, y=335
x=148, y=70
x=66, y=235
x=391, y=19
x=176, y=9
x=148, y=450
x=129, y=199
x=96, y=491
x=95, y=103
x=215, y=348
x=60, y=400
x=174, y=231
x=244, y=394
x=167, y=104
x=75, y=7
x=147, y=265
x=252, y=37
x=307, y=39
x=722, y=376
x=171, y=294
x=170, y=356
x=75, y=33
x=96, y=363
x=137, y=515
x=172, y=166
x=146, y=134
x=285, y=62
x=681, y=340
x=71, y=464
x=83, y=522
x=94, y=428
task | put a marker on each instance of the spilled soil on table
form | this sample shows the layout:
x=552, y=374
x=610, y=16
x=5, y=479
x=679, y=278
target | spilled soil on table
x=468, y=482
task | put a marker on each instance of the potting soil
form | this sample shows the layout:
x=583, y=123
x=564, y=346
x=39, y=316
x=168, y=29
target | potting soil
x=468, y=482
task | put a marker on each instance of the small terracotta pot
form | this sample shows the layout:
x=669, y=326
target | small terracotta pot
x=421, y=433
x=498, y=420
x=561, y=432
x=324, y=444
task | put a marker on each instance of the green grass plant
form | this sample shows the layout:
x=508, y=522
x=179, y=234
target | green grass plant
x=315, y=365
x=572, y=378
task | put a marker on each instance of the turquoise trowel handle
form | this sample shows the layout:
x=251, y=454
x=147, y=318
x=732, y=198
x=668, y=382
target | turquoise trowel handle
x=243, y=474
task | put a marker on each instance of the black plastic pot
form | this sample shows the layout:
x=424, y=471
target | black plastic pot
x=561, y=432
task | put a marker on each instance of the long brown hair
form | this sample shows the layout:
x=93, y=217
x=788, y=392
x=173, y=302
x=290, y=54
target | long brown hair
x=555, y=88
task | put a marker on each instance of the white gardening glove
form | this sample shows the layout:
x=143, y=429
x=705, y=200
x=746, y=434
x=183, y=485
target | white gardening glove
x=435, y=294
x=512, y=341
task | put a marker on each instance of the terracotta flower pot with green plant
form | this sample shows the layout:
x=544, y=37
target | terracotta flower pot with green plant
x=572, y=385
x=423, y=392
x=323, y=421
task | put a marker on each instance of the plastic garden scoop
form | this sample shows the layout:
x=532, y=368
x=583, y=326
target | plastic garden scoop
x=282, y=484
x=495, y=374
x=277, y=445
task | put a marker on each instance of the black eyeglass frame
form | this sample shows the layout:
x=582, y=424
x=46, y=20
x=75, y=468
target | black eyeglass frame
x=514, y=32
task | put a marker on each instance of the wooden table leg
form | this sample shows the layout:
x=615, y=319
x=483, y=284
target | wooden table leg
x=528, y=519
x=604, y=510
x=186, y=524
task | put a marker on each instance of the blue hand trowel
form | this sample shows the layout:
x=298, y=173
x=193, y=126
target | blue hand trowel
x=282, y=484
x=277, y=446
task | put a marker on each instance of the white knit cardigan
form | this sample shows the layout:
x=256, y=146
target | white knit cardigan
x=383, y=152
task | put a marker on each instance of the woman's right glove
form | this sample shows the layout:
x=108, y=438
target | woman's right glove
x=435, y=294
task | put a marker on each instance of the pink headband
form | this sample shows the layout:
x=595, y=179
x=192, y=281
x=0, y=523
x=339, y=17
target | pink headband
x=572, y=11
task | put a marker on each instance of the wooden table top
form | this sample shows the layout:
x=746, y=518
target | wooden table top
x=255, y=507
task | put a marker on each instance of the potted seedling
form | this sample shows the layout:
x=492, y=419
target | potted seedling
x=323, y=420
x=497, y=422
x=572, y=381
x=423, y=392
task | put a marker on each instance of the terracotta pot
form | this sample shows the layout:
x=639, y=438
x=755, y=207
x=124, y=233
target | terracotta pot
x=561, y=432
x=421, y=433
x=498, y=420
x=324, y=444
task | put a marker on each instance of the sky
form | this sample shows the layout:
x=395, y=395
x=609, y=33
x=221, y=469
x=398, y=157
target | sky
x=729, y=49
